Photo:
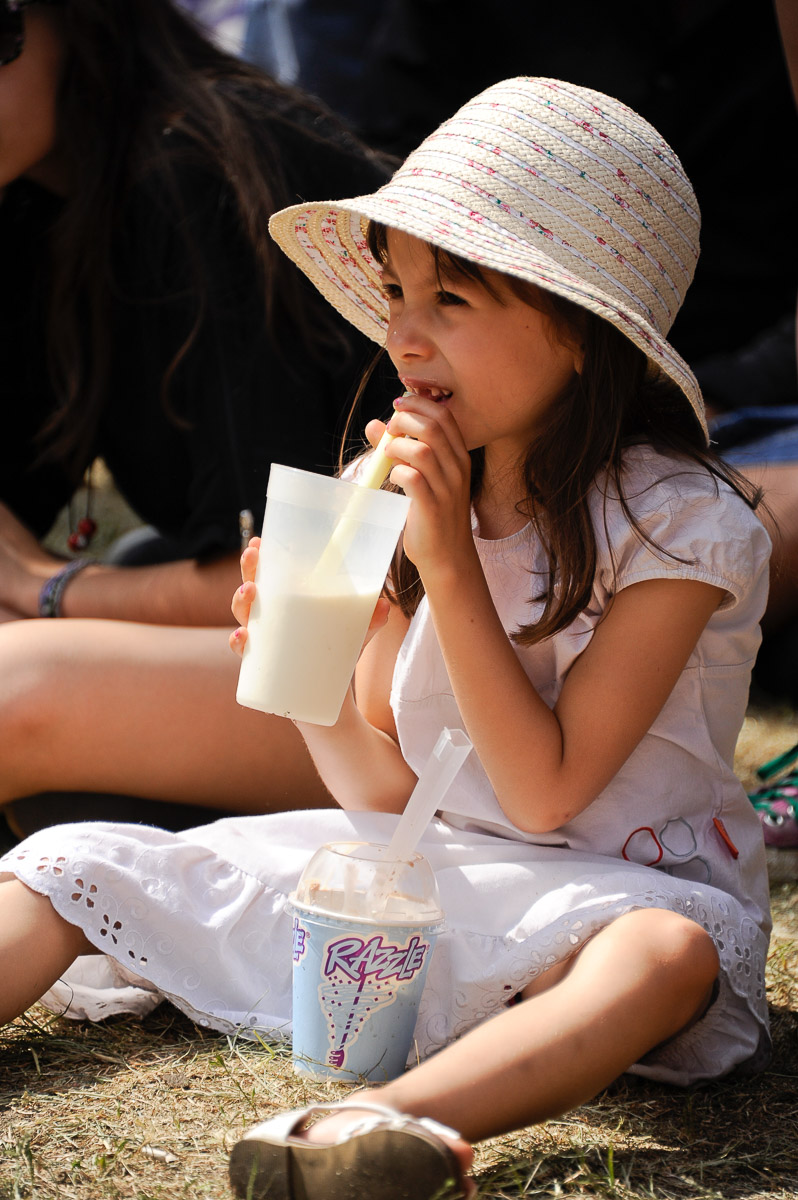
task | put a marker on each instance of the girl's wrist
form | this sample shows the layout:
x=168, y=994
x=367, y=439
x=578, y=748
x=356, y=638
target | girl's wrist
x=448, y=578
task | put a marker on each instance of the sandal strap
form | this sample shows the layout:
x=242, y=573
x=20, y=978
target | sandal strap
x=290, y=1124
x=282, y=1126
x=389, y=1118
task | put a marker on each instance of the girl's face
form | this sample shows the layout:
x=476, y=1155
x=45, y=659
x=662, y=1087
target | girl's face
x=495, y=361
x=28, y=91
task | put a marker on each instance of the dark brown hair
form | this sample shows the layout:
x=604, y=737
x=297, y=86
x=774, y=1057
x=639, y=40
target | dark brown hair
x=136, y=72
x=612, y=403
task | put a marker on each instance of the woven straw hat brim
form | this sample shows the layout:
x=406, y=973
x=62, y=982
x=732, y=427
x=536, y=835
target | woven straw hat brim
x=554, y=184
x=327, y=241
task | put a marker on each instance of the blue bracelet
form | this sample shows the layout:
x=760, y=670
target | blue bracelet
x=53, y=589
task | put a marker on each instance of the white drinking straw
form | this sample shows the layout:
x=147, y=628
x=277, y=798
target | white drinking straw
x=374, y=474
x=378, y=466
x=450, y=752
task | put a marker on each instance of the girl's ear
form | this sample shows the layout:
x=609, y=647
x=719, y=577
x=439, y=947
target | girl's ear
x=570, y=340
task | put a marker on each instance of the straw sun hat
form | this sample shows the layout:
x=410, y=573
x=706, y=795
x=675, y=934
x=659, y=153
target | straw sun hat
x=551, y=182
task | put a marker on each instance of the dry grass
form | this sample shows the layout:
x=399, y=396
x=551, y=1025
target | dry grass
x=148, y=1110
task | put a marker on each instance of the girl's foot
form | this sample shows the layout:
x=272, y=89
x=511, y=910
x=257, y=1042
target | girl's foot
x=331, y=1127
x=360, y=1148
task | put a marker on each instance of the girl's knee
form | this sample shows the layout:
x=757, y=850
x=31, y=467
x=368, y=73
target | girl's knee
x=665, y=962
x=675, y=944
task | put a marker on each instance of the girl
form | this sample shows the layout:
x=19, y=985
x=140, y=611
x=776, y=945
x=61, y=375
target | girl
x=580, y=585
x=146, y=317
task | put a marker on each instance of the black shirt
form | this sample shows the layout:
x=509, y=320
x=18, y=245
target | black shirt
x=238, y=400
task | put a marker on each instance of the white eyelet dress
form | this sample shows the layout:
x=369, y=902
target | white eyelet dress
x=199, y=917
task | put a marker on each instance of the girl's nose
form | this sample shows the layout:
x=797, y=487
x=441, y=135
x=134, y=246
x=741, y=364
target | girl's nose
x=407, y=338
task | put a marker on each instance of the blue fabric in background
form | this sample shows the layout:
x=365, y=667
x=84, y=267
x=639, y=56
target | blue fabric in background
x=757, y=435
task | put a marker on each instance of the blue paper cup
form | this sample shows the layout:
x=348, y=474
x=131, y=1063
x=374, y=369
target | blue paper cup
x=358, y=979
x=357, y=989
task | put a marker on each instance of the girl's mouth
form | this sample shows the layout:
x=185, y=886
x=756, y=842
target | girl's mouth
x=428, y=391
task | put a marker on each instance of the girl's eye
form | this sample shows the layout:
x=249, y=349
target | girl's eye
x=391, y=291
x=450, y=299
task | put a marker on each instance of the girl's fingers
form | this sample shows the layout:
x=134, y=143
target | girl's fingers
x=237, y=639
x=433, y=468
x=374, y=431
x=428, y=455
x=425, y=423
x=249, y=559
x=427, y=414
x=420, y=424
x=242, y=601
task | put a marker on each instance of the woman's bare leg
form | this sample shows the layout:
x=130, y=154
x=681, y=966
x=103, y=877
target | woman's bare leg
x=142, y=710
x=636, y=983
x=779, y=481
x=29, y=921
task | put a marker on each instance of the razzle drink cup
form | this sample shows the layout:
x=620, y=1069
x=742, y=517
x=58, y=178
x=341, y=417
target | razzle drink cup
x=361, y=952
x=325, y=551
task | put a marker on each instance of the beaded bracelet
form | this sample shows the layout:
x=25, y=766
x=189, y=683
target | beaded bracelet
x=53, y=590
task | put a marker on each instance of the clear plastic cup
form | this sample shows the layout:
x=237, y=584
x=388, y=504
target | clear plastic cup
x=364, y=932
x=325, y=551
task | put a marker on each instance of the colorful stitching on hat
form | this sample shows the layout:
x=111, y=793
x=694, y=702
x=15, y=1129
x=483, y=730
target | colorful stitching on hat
x=354, y=274
x=585, y=203
x=455, y=130
x=672, y=165
x=532, y=224
x=586, y=233
x=356, y=245
x=326, y=270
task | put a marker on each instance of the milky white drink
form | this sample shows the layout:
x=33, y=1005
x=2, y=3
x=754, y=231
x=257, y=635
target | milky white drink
x=303, y=672
x=325, y=551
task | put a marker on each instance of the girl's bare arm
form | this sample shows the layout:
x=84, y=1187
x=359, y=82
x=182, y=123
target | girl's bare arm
x=544, y=765
x=548, y=765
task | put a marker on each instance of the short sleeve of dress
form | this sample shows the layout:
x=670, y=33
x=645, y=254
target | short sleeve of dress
x=691, y=526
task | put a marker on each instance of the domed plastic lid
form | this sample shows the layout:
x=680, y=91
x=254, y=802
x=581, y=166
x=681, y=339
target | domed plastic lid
x=358, y=881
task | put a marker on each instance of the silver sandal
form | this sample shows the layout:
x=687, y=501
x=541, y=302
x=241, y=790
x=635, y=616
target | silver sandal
x=387, y=1154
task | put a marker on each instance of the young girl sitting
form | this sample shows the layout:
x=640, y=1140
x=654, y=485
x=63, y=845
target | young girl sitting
x=579, y=587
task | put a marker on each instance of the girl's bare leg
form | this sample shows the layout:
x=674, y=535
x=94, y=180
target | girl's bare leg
x=141, y=710
x=36, y=947
x=639, y=981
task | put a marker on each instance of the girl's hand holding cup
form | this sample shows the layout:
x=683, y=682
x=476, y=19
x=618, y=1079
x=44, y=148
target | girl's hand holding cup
x=243, y=597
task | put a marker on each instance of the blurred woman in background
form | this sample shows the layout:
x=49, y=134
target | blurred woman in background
x=148, y=320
